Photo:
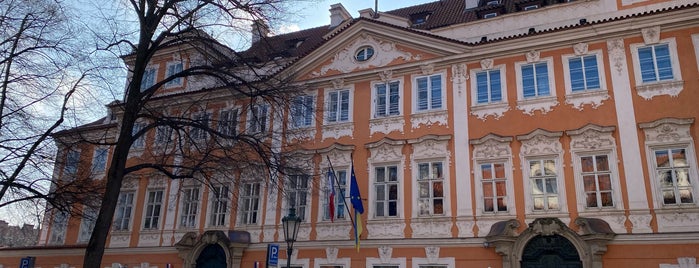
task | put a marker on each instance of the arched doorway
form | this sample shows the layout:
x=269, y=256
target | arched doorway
x=212, y=256
x=553, y=251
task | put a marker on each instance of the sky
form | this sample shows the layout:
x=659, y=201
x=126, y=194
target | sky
x=315, y=13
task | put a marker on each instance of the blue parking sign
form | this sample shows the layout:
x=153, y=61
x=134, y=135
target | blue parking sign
x=272, y=255
x=27, y=262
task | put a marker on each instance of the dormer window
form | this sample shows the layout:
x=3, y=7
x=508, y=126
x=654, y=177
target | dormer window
x=364, y=53
x=490, y=15
x=492, y=3
x=530, y=7
x=419, y=18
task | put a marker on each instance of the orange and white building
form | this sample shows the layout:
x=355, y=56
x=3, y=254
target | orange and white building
x=511, y=133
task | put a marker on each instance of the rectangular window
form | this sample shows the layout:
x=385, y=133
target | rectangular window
x=72, y=161
x=58, y=227
x=535, y=80
x=154, y=203
x=489, y=87
x=297, y=194
x=190, y=207
x=386, y=189
x=163, y=135
x=228, y=122
x=430, y=189
x=338, y=106
x=199, y=132
x=432, y=266
x=385, y=266
x=173, y=69
x=89, y=216
x=597, y=180
x=387, y=98
x=99, y=160
x=219, y=205
x=531, y=7
x=140, y=141
x=340, y=194
x=302, y=111
x=656, y=64
x=148, y=79
x=257, y=120
x=122, y=215
x=250, y=203
x=429, y=92
x=494, y=183
x=672, y=171
x=490, y=15
x=584, y=73
x=544, y=185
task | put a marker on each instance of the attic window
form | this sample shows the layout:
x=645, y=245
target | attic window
x=490, y=15
x=492, y=3
x=364, y=53
x=419, y=18
x=530, y=7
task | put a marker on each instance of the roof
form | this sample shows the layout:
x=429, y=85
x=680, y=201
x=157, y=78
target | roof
x=288, y=45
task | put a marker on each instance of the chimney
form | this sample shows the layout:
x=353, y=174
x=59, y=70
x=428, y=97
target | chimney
x=259, y=30
x=338, y=14
x=471, y=4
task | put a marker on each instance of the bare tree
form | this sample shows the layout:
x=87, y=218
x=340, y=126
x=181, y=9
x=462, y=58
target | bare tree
x=42, y=73
x=188, y=142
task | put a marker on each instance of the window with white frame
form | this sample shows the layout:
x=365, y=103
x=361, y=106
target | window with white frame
x=174, y=68
x=597, y=181
x=228, y=122
x=302, y=111
x=140, y=141
x=535, y=80
x=584, y=73
x=149, y=75
x=58, y=227
x=543, y=180
x=492, y=155
x=154, y=204
x=257, y=118
x=89, y=216
x=340, y=184
x=655, y=63
x=163, y=135
x=190, y=207
x=386, y=185
x=338, y=109
x=250, y=203
x=124, y=208
x=429, y=92
x=199, y=132
x=219, y=205
x=386, y=99
x=672, y=162
x=297, y=194
x=430, y=188
x=488, y=86
x=672, y=171
x=433, y=266
x=99, y=159
x=70, y=168
x=494, y=187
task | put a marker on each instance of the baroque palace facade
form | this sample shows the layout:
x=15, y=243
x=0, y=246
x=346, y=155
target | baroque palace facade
x=509, y=133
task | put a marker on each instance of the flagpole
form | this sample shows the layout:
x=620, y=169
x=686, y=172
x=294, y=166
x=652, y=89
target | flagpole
x=344, y=200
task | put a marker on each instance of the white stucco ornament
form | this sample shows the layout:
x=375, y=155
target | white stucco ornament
x=384, y=52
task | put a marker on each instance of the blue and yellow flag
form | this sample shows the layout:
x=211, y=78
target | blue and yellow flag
x=356, y=199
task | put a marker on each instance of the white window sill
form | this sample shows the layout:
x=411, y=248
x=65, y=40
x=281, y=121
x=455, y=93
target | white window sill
x=387, y=124
x=429, y=118
x=650, y=90
x=497, y=110
x=337, y=130
x=592, y=97
x=543, y=104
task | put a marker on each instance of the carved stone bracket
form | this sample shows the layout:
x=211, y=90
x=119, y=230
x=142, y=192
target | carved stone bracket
x=651, y=35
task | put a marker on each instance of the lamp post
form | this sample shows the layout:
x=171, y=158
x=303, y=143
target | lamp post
x=291, y=225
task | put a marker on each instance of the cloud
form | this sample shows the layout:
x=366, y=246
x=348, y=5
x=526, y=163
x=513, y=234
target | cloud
x=288, y=28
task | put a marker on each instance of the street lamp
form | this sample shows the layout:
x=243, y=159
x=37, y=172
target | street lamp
x=291, y=225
